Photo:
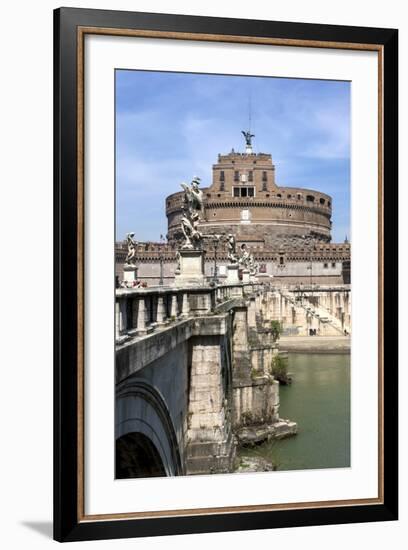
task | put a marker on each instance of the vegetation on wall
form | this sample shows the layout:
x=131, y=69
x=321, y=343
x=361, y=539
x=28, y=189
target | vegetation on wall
x=276, y=329
x=279, y=369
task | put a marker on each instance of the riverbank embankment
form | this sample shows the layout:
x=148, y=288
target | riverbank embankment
x=315, y=344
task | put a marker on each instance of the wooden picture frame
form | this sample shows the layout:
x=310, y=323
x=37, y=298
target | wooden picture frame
x=70, y=27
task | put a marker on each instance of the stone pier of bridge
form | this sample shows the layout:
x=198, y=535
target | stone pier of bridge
x=194, y=377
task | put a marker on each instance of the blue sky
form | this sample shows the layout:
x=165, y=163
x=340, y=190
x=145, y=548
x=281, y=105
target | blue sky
x=171, y=127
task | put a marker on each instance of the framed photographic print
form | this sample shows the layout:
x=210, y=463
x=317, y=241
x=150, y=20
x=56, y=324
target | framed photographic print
x=225, y=274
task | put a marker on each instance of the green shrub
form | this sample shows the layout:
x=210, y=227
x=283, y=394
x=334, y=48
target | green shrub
x=279, y=369
x=276, y=329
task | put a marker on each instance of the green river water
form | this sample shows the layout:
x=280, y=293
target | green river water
x=319, y=401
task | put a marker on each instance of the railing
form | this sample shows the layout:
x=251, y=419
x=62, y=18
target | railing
x=318, y=288
x=140, y=311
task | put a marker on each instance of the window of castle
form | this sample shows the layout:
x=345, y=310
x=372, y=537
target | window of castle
x=222, y=175
x=243, y=191
x=264, y=176
x=236, y=175
x=245, y=216
x=322, y=201
x=250, y=176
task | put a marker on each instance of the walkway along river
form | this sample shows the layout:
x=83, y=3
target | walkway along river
x=319, y=401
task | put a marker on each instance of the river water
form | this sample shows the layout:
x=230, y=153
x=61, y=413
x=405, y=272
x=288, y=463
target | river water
x=319, y=401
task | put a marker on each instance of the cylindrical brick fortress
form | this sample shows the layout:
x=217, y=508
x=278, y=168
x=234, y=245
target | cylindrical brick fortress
x=244, y=200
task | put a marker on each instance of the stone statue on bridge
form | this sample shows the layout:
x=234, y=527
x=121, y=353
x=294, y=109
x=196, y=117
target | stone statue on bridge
x=189, y=226
x=192, y=205
x=178, y=263
x=131, y=255
x=253, y=266
x=232, y=249
x=247, y=260
x=193, y=196
x=245, y=256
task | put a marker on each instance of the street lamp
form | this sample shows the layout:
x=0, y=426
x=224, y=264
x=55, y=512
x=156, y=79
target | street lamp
x=161, y=268
x=216, y=244
x=161, y=260
x=299, y=296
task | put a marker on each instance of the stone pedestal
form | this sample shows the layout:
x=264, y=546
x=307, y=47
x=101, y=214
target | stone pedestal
x=232, y=274
x=245, y=276
x=129, y=274
x=191, y=268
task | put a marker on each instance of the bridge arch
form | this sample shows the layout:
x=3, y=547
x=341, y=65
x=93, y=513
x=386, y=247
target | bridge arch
x=146, y=441
x=137, y=456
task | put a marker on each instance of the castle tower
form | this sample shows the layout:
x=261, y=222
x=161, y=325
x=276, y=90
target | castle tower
x=245, y=200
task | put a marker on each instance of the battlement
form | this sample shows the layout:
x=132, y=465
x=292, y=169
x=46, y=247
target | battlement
x=248, y=157
x=293, y=251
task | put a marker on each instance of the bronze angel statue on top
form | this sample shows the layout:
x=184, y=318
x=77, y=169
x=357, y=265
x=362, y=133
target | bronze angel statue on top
x=248, y=137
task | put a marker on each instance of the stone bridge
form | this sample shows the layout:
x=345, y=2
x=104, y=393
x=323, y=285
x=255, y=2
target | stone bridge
x=193, y=378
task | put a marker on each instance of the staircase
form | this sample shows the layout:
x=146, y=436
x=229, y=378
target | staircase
x=321, y=313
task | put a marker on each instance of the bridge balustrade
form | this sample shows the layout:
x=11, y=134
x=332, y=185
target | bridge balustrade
x=139, y=311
